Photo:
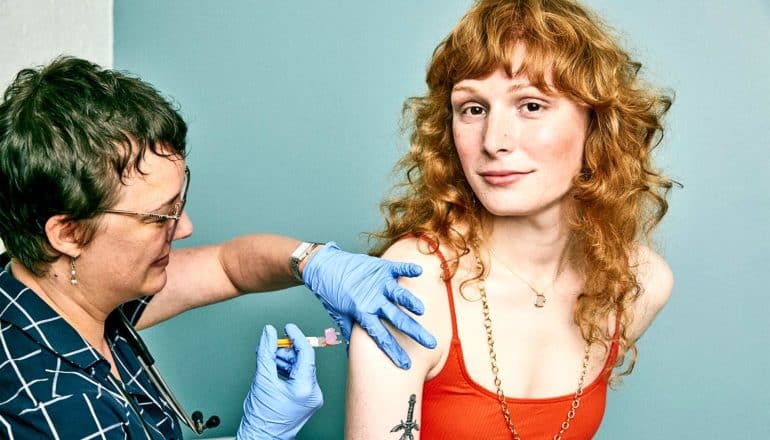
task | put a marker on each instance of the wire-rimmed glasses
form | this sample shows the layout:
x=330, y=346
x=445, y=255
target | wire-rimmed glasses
x=154, y=217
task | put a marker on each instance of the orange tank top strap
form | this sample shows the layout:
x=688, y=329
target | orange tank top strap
x=433, y=247
x=609, y=365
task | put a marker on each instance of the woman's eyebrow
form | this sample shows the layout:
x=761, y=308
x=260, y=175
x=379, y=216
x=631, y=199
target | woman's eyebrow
x=512, y=89
x=520, y=86
x=468, y=89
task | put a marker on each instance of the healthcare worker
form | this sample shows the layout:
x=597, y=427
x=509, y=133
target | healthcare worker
x=93, y=193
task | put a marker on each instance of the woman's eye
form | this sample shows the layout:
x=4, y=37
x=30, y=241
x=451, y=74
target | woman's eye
x=532, y=107
x=473, y=110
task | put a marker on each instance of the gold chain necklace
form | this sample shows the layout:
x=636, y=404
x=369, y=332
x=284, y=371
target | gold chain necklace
x=540, y=298
x=495, y=370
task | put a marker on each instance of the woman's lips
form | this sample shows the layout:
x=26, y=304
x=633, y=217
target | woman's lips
x=503, y=178
x=161, y=262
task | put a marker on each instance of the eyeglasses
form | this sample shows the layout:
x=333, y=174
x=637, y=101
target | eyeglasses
x=173, y=216
x=194, y=421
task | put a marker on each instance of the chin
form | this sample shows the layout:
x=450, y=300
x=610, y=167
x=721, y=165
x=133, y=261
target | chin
x=518, y=206
x=155, y=285
x=510, y=208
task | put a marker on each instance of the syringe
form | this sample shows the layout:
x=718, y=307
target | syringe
x=330, y=337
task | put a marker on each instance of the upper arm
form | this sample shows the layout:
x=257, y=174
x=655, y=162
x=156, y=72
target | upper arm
x=656, y=282
x=204, y=275
x=195, y=277
x=378, y=392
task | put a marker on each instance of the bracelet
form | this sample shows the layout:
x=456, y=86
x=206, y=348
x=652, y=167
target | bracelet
x=299, y=255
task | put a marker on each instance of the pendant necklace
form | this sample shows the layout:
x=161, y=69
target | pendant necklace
x=565, y=425
x=540, y=298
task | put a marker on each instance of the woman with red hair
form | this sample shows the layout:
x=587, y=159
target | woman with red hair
x=528, y=198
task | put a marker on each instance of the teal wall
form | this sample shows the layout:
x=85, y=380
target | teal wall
x=293, y=110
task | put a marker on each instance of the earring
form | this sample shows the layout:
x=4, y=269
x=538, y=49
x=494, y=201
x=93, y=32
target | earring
x=73, y=273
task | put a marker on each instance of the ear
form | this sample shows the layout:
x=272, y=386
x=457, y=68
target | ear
x=64, y=235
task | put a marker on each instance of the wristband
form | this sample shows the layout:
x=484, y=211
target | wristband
x=299, y=255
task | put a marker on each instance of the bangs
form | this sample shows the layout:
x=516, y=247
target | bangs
x=564, y=50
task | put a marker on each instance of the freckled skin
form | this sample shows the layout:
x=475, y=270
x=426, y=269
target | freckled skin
x=502, y=123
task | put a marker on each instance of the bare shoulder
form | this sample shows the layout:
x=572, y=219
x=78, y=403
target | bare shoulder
x=654, y=275
x=415, y=250
x=429, y=287
x=656, y=282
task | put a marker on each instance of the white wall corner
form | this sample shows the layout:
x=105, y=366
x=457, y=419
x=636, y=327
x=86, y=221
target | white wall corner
x=33, y=32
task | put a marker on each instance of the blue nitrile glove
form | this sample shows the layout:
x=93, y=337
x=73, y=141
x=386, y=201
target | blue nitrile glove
x=360, y=288
x=276, y=408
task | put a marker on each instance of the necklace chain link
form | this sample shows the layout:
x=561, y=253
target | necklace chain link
x=495, y=369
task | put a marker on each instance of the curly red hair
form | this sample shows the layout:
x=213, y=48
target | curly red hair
x=619, y=196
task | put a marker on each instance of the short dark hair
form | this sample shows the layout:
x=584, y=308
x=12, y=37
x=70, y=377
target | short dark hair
x=68, y=133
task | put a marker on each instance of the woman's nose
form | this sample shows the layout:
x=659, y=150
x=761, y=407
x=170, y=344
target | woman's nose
x=500, y=133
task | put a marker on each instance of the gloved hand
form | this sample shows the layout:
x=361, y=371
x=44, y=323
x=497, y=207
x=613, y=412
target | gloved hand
x=360, y=288
x=276, y=408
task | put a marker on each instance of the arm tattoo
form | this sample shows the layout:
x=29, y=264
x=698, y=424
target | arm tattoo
x=410, y=424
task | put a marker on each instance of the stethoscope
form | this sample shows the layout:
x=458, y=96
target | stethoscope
x=147, y=362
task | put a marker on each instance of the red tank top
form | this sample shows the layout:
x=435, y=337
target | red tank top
x=456, y=407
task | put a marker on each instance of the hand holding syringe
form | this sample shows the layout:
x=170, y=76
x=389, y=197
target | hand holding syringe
x=330, y=337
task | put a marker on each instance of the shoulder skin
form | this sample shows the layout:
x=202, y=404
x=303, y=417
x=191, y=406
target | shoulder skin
x=656, y=282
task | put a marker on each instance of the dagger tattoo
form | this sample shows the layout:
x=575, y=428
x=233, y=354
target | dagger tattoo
x=410, y=424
